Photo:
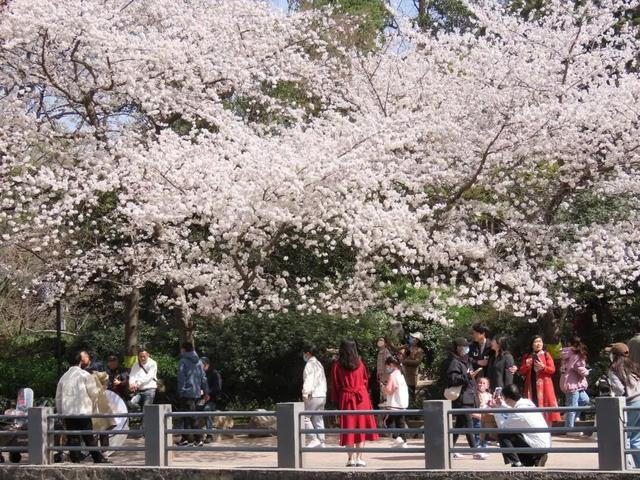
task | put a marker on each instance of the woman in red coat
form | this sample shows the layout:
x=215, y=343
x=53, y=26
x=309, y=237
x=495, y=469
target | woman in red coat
x=538, y=369
x=350, y=381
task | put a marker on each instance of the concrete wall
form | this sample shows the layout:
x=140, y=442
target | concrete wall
x=8, y=472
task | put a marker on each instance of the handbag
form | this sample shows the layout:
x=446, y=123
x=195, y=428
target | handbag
x=453, y=393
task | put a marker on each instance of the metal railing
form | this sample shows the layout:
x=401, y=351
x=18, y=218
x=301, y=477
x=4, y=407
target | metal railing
x=436, y=432
x=517, y=450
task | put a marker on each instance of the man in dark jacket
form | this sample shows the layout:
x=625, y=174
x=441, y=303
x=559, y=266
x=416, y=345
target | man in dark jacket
x=88, y=364
x=214, y=381
x=192, y=385
x=480, y=348
x=118, y=377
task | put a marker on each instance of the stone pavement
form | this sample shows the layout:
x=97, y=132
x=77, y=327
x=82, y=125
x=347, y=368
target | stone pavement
x=319, y=460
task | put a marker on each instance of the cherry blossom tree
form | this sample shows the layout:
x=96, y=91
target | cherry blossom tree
x=149, y=143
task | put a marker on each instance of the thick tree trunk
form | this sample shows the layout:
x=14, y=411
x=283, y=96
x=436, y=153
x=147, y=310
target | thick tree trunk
x=550, y=328
x=131, y=327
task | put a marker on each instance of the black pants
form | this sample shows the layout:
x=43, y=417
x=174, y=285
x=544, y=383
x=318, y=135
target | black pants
x=396, y=421
x=464, y=421
x=516, y=440
x=76, y=440
x=188, y=405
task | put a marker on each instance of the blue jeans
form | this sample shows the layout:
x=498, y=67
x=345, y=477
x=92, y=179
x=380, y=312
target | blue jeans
x=210, y=406
x=477, y=424
x=142, y=398
x=574, y=399
x=633, y=420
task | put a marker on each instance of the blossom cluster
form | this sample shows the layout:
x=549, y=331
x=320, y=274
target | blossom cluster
x=471, y=167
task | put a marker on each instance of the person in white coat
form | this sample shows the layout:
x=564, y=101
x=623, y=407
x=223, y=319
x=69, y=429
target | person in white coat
x=397, y=392
x=76, y=394
x=314, y=395
x=143, y=381
x=512, y=398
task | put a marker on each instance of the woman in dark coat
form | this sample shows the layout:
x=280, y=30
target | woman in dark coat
x=459, y=373
x=501, y=364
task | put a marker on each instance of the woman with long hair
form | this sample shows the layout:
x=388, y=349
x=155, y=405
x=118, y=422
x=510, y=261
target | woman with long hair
x=350, y=381
x=624, y=380
x=501, y=365
x=538, y=368
x=573, y=379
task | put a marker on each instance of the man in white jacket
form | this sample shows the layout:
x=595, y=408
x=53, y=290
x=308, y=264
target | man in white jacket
x=75, y=395
x=511, y=398
x=143, y=381
x=314, y=394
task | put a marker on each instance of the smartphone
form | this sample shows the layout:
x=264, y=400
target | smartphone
x=497, y=393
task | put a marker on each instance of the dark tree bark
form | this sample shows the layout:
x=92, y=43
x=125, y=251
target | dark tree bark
x=131, y=327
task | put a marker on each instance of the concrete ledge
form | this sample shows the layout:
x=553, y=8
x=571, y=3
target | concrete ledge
x=8, y=472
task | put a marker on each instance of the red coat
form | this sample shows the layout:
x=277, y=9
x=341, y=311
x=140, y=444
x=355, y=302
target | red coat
x=350, y=393
x=544, y=384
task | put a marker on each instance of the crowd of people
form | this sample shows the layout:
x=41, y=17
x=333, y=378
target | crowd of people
x=82, y=391
x=481, y=373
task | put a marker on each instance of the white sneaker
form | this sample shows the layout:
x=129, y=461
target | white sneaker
x=314, y=443
x=404, y=445
x=457, y=455
x=361, y=463
x=480, y=456
x=351, y=463
x=397, y=442
x=575, y=434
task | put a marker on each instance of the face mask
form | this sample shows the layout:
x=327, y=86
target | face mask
x=389, y=369
x=465, y=350
x=411, y=341
x=305, y=357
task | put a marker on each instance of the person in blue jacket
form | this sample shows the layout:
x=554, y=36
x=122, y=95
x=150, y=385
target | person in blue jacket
x=192, y=386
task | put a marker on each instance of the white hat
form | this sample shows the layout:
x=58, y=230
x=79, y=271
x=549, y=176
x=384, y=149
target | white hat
x=417, y=335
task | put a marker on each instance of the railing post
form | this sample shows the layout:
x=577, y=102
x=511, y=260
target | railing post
x=436, y=424
x=38, y=435
x=610, y=428
x=288, y=418
x=155, y=424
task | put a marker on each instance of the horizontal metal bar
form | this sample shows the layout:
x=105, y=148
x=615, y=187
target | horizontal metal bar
x=19, y=433
x=363, y=450
x=329, y=431
x=9, y=449
x=96, y=432
x=326, y=413
x=13, y=417
x=176, y=448
x=235, y=431
x=222, y=414
x=464, y=431
x=525, y=450
x=632, y=450
x=81, y=448
x=632, y=429
x=466, y=411
x=98, y=415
